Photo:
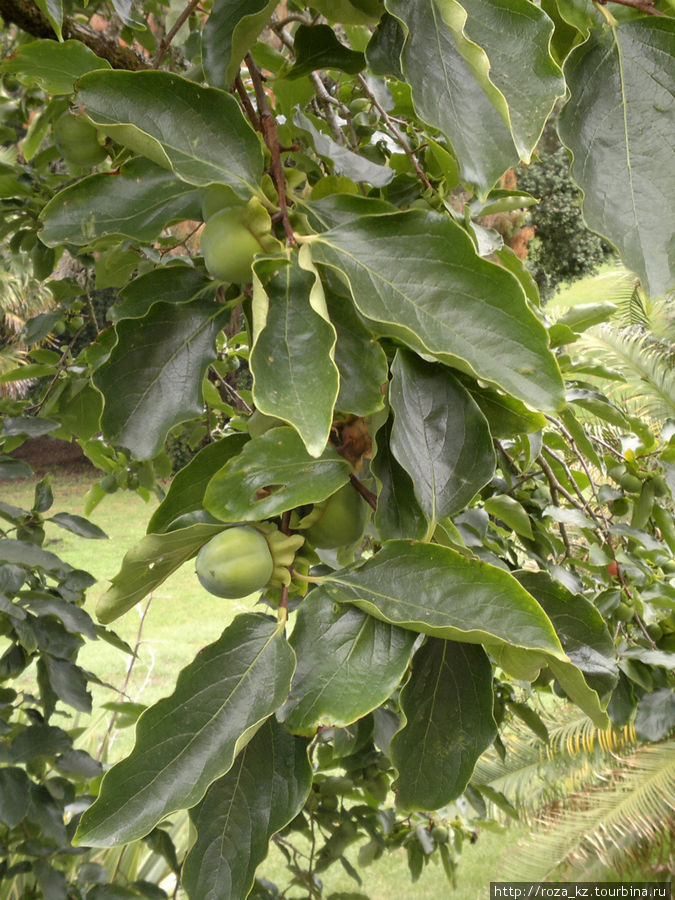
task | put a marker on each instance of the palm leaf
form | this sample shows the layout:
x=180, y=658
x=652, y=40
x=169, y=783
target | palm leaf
x=647, y=364
x=606, y=825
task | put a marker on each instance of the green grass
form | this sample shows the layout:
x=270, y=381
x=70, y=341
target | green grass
x=182, y=618
x=595, y=288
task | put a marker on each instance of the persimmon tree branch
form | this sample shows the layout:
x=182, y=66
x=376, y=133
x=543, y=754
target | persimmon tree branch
x=30, y=19
x=268, y=126
x=407, y=149
x=165, y=43
x=645, y=6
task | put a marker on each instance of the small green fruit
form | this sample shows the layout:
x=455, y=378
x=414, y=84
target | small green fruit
x=232, y=237
x=77, y=141
x=59, y=328
x=341, y=521
x=235, y=563
x=624, y=613
x=630, y=483
x=440, y=834
x=76, y=323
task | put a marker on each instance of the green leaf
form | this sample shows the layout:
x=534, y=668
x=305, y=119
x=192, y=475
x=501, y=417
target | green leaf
x=78, y=525
x=447, y=709
x=580, y=627
x=437, y=591
x=53, y=66
x=526, y=714
x=186, y=492
x=596, y=403
x=294, y=376
x=198, y=132
x=345, y=161
x=137, y=203
x=398, y=513
x=152, y=379
x=655, y=717
x=229, y=33
x=585, y=315
x=511, y=513
x=220, y=701
x=30, y=426
x=417, y=276
x=14, y=795
x=11, y=468
x=53, y=10
x=530, y=82
x=30, y=556
x=439, y=436
x=348, y=664
x=350, y=12
x=68, y=682
x=451, y=88
x=148, y=564
x=273, y=473
x=506, y=416
x=317, y=47
x=169, y=284
x=360, y=359
x=22, y=373
x=621, y=85
x=265, y=789
x=384, y=49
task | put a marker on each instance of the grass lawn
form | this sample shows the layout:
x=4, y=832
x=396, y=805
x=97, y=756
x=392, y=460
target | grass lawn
x=183, y=617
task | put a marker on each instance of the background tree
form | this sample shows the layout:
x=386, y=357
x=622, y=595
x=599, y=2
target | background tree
x=291, y=203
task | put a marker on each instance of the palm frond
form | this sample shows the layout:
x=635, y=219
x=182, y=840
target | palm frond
x=533, y=774
x=605, y=825
x=647, y=363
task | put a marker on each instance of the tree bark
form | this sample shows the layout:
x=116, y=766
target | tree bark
x=30, y=19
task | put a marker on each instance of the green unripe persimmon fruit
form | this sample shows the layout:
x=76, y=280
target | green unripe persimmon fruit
x=235, y=563
x=229, y=245
x=77, y=141
x=342, y=520
x=440, y=834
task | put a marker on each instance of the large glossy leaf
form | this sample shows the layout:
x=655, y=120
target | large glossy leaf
x=360, y=359
x=273, y=473
x=148, y=564
x=447, y=709
x=317, y=47
x=53, y=66
x=348, y=664
x=264, y=790
x=188, y=740
x=451, y=88
x=417, y=276
x=198, y=132
x=152, y=380
x=398, y=513
x=439, y=436
x=229, y=34
x=187, y=488
x=530, y=82
x=294, y=376
x=437, y=591
x=580, y=627
x=170, y=284
x=345, y=161
x=14, y=795
x=617, y=123
x=137, y=203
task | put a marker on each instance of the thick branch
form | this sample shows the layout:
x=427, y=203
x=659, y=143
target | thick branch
x=30, y=19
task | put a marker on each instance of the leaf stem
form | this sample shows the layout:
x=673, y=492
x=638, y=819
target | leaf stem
x=367, y=495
